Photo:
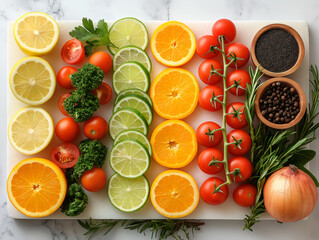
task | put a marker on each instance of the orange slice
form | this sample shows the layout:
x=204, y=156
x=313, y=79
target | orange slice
x=173, y=44
x=174, y=93
x=36, y=187
x=174, y=194
x=174, y=144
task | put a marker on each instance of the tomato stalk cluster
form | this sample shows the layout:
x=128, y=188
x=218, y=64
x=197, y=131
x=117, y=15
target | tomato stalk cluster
x=232, y=58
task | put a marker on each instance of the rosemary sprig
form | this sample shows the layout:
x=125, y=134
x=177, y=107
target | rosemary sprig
x=178, y=229
x=274, y=149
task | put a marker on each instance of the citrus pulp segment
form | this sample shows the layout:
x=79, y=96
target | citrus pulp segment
x=132, y=54
x=174, y=93
x=138, y=103
x=133, y=134
x=127, y=119
x=129, y=158
x=174, y=194
x=131, y=75
x=128, y=31
x=128, y=195
x=36, y=33
x=32, y=80
x=173, y=44
x=174, y=144
x=31, y=130
x=36, y=187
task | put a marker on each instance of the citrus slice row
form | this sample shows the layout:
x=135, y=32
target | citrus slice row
x=36, y=187
x=174, y=194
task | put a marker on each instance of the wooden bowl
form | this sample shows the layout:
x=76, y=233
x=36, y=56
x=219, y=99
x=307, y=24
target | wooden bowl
x=302, y=102
x=294, y=33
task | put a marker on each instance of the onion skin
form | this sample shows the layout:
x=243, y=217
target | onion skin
x=290, y=194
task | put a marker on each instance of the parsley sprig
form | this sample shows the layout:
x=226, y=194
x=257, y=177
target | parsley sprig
x=91, y=36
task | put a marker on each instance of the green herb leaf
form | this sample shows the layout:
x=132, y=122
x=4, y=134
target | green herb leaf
x=302, y=157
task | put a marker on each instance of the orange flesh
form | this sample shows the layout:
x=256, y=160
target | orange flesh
x=173, y=43
x=174, y=194
x=35, y=187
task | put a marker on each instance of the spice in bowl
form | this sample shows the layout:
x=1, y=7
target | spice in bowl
x=277, y=50
x=279, y=103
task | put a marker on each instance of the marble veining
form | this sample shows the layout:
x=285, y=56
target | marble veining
x=152, y=10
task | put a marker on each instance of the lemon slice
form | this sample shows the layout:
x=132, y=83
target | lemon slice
x=32, y=80
x=31, y=130
x=36, y=33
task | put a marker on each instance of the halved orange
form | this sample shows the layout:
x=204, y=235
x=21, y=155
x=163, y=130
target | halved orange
x=174, y=144
x=174, y=93
x=173, y=44
x=174, y=194
x=36, y=187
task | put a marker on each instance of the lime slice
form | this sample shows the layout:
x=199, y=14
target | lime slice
x=128, y=31
x=138, y=103
x=134, y=91
x=127, y=119
x=131, y=75
x=131, y=53
x=128, y=195
x=129, y=158
x=132, y=134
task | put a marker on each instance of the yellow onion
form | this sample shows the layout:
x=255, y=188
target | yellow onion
x=290, y=194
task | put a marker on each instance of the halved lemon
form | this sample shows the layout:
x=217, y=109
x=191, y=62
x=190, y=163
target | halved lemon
x=174, y=93
x=31, y=130
x=36, y=33
x=32, y=80
x=174, y=194
x=36, y=187
x=173, y=44
x=174, y=144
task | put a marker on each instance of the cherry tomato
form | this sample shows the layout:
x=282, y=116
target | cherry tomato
x=240, y=51
x=207, y=189
x=206, y=156
x=73, y=52
x=95, y=128
x=226, y=28
x=205, y=96
x=240, y=78
x=245, y=195
x=61, y=103
x=63, y=76
x=66, y=155
x=206, y=139
x=67, y=129
x=238, y=118
x=94, y=180
x=102, y=60
x=103, y=93
x=205, y=71
x=245, y=167
x=204, y=46
x=243, y=147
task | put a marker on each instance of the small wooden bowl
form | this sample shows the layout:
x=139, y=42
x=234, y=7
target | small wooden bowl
x=302, y=102
x=294, y=33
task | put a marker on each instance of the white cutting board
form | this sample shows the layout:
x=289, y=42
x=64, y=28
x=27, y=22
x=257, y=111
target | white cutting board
x=99, y=206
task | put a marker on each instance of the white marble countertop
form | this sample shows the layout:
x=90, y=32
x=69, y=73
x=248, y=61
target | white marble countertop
x=182, y=10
